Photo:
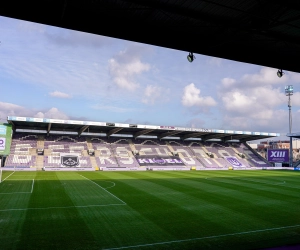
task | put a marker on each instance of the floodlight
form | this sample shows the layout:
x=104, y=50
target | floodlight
x=280, y=73
x=289, y=90
x=191, y=57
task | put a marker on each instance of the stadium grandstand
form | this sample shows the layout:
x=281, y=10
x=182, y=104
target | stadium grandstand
x=54, y=145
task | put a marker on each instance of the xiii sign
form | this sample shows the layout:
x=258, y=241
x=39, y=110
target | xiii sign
x=278, y=155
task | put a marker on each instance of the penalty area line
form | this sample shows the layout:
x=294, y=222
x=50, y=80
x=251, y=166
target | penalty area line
x=17, y=193
x=263, y=182
x=45, y=208
x=104, y=189
x=203, y=238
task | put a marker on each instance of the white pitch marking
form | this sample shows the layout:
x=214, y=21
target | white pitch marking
x=19, y=174
x=17, y=193
x=8, y=176
x=103, y=189
x=202, y=238
x=44, y=208
x=114, y=184
x=32, y=185
x=274, y=184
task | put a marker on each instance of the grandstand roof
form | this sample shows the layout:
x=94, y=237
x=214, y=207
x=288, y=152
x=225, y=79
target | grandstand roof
x=45, y=125
x=294, y=135
x=258, y=32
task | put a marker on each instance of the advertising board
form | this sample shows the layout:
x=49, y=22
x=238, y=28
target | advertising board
x=5, y=138
x=278, y=155
x=162, y=161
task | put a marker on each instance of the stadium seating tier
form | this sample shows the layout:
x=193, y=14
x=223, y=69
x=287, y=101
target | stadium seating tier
x=117, y=152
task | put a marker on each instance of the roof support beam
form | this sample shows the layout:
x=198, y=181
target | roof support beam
x=81, y=130
x=142, y=132
x=49, y=128
x=113, y=131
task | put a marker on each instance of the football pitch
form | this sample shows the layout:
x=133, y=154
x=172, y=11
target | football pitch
x=149, y=210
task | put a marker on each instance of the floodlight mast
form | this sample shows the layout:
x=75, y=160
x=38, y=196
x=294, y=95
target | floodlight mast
x=289, y=90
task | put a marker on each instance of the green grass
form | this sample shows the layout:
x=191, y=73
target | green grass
x=149, y=210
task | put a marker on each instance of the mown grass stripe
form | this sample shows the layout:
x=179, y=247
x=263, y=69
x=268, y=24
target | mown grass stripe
x=103, y=189
x=163, y=210
x=204, y=238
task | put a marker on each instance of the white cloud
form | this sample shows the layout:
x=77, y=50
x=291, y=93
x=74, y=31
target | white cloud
x=254, y=103
x=265, y=76
x=196, y=123
x=59, y=94
x=53, y=113
x=214, y=61
x=113, y=108
x=228, y=82
x=125, y=66
x=295, y=77
x=277, y=122
x=191, y=97
x=153, y=94
x=10, y=109
x=295, y=99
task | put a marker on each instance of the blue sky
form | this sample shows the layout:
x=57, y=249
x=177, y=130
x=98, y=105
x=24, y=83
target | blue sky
x=57, y=73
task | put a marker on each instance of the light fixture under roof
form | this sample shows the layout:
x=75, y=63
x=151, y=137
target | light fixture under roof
x=191, y=57
x=280, y=73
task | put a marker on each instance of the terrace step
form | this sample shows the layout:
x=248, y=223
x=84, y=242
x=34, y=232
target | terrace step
x=39, y=162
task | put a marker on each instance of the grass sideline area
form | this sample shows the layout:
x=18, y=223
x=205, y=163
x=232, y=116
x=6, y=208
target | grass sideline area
x=150, y=210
